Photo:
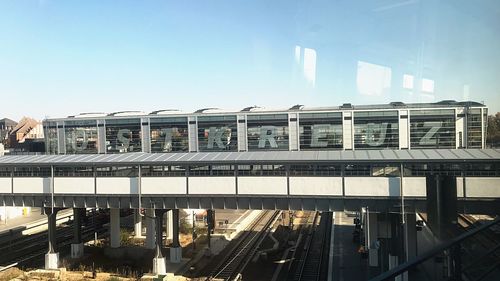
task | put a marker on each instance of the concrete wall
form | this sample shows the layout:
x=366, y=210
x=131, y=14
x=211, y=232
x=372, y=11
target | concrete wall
x=371, y=186
x=482, y=187
x=414, y=187
x=117, y=185
x=212, y=185
x=74, y=185
x=5, y=185
x=163, y=185
x=331, y=186
x=32, y=185
x=262, y=185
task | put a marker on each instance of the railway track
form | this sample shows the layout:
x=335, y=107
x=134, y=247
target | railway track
x=313, y=264
x=29, y=249
x=231, y=266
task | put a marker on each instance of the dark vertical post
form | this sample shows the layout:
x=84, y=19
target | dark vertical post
x=159, y=231
x=175, y=228
x=456, y=262
x=210, y=224
x=51, y=223
x=441, y=204
x=78, y=214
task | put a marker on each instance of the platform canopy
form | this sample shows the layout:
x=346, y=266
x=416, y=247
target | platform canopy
x=282, y=157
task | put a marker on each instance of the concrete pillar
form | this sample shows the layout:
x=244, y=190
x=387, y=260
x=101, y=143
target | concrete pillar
x=150, y=229
x=396, y=244
x=176, y=249
x=159, y=262
x=114, y=227
x=52, y=257
x=441, y=205
x=372, y=239
x=137, y=223
x=410, y=239
x=77, y=245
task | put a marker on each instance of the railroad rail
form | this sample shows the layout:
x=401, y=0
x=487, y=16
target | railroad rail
x=314, y=259
x=232, y=264
x=27, y=249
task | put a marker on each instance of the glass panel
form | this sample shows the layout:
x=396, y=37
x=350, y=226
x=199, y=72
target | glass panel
x=474, y=127
x=123, y=135
x=432, y=129
x=73, y=172
x=124, y=171
x=32, y=172
x=81, y=136
x=320, y=131
x=51, y=142
x=169, y=134
x=267, y=132
x=376, y=130
x=217, y=133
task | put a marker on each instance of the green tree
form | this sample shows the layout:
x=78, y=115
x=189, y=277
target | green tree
x=493, y=133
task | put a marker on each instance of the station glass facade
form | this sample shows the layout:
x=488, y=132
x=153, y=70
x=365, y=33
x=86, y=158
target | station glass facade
x=169, y=134
x=432, y=128
x=267, y=132
x=81, y=136
x=123, y=135
x=217, y=133
x=376, y=130
x=417, y=126
x=474, y=128
x=320, y=130
x=51, y=140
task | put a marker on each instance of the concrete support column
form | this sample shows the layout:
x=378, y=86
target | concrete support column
x=137, y=223
x=52, y=257
x=176, y=249
x=150, y=229
x=77, y=245
x=372, y=238
x=159, y=262
x=441, y=205
x=114, y=227
x=410, y=239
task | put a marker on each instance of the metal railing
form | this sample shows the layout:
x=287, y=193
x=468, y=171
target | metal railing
x=454, y=246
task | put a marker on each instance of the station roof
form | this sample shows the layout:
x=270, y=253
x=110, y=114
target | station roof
x=263, y=157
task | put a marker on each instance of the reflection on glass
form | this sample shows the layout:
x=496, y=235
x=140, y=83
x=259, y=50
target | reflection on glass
x=373, y=79
x=217, y=133
x=320, y=130
x=432, y=128
x=267, y=132
x=169, y=134
x=376, y=130
x=123, y=135
x=81, y=136
x=51, y=145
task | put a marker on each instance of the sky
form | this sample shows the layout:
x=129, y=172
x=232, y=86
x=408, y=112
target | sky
x=60, y=58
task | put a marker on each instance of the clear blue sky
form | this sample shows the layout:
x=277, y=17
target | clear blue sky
x=60, y=58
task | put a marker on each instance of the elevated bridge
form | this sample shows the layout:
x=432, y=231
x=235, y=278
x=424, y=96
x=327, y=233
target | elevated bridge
x=295, y=180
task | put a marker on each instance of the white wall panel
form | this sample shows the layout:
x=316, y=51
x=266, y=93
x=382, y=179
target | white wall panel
x=67, y=185
x=5, y=185
x=372, y=186
x=414, y=186
x=326, y=186
x=485, y=187
x=460, y=187
x=32, y=185
x=262, y=185
x=212, y=185
x=117, y=185
x=163, y=185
